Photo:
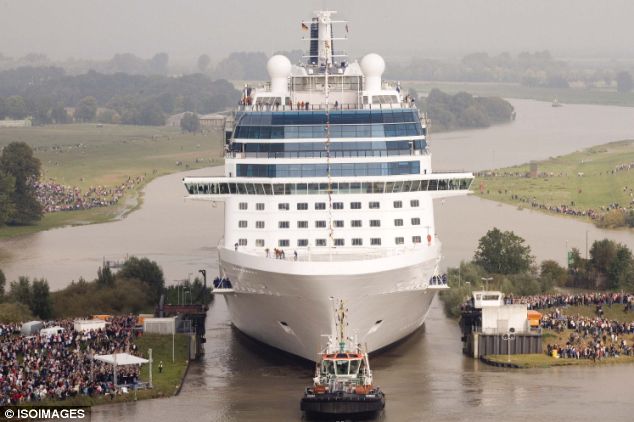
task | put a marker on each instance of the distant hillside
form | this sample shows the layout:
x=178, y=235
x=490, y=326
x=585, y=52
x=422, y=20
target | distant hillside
x=464, y=111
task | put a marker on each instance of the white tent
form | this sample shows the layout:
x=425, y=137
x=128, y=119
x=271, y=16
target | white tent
x=31, y=328
x=82, y=325
x=122, y=359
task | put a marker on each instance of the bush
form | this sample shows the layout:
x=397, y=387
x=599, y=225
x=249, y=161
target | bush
x=14, y=312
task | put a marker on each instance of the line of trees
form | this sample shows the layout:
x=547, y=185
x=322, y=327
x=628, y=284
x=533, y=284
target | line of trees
x=506, y=259
x=464, y=111
x=47, y=94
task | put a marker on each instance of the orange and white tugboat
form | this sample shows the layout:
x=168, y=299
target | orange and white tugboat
x=342, y=385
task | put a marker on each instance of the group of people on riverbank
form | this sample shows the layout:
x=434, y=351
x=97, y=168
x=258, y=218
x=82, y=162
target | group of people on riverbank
x=59, y=366
x=55, y=197
x=546, y=301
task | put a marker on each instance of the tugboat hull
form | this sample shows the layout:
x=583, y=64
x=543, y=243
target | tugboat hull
x=343, y=404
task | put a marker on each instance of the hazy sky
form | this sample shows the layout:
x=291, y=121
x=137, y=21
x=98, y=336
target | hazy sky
x=396, y=29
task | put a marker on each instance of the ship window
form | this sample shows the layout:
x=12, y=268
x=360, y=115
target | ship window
x=320, y=224
x=356, y=223
x=283, y=206
x=398, y=222
x=355, y=205
x=416, y=239
x=302, y=242
x=375, y=241
x=302, y=206
x=339, y=242
x=259, y=206
x=320, y=242
x=242, y=224
x=320, y=205
x=243, y=206
x=259, y=243
x=414, y=203
x=242, y=242
x=357, y=242
x=337, y=205
x=338, y=223
x=342, y=366
x=283, y=225
x=415, y=221
x=283, y=243
x=374, y=205
x=302, y=224
x=327, y=367
x=259, y=224
x=399, y=240
x=375, y=223
x=398, y=204
x=354, y=366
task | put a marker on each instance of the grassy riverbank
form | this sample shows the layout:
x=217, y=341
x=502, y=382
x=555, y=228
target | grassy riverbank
x=85, y=155
x=165, y=384
x=582, y=180
x=607, y=96
x=543, y=361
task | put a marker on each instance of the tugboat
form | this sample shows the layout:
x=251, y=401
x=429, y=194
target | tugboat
x=342, y=385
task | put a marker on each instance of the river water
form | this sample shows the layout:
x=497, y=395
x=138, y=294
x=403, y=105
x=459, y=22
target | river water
x=426, y=377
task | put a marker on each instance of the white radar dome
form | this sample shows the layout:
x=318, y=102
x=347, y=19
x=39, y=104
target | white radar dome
x=372, y=65
x=278, y=66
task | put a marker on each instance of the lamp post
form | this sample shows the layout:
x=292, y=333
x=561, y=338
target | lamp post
x=508, y=337
x=486, y=280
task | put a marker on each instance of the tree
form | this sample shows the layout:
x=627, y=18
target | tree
x=553, y=273
x=86, y=109
x=3, y=283
x=146, y=271
x=624, y=82
x=190, y=123
x=41, y=299
x=16, y=107
x=105, y=278
x=503, y=253
x=7, y=188
x=203, y=63
x=619, y=271
x=602, y=253
x=20, y=291
x=17, y=161
x=59, y=114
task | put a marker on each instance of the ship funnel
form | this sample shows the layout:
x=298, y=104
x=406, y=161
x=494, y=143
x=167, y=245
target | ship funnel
x=279, y=68
x=372, y=66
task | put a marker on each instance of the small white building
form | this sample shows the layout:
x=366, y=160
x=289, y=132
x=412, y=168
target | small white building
x=498, y=318
x=16, y=123
x=160, y=325
x=82, y=325
x=51, y=331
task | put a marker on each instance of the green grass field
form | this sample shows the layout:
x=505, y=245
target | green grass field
x=87, y=155
x=514, y=90
x=543, y=361
x=560, y=182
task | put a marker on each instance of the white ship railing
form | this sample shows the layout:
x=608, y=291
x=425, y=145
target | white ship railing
x=322, y=106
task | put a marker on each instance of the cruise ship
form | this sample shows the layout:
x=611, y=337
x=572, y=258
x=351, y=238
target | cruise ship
x=327, y=194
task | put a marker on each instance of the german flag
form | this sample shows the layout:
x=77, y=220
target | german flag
x=304, y=26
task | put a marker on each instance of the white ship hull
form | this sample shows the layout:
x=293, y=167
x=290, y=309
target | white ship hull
x=293, y=310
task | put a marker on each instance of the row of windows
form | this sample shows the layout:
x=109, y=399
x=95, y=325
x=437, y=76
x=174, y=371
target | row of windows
x=302, y=206
x=321, y=170
x=335, y=149
x=373, y=241
x=215, y=188
x=335, y=117
x=303, y=224
x=334, y=131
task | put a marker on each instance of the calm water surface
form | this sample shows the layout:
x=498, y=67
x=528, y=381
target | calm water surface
x=426, y=377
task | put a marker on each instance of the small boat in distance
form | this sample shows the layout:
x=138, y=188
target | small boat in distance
x=556, y=103
x=342, y=385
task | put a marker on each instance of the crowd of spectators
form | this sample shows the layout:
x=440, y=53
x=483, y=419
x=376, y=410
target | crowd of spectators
x=593, y=337
x=59, y=366
x=55, y=197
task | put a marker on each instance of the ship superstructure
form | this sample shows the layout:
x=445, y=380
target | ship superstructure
x=328, y=191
